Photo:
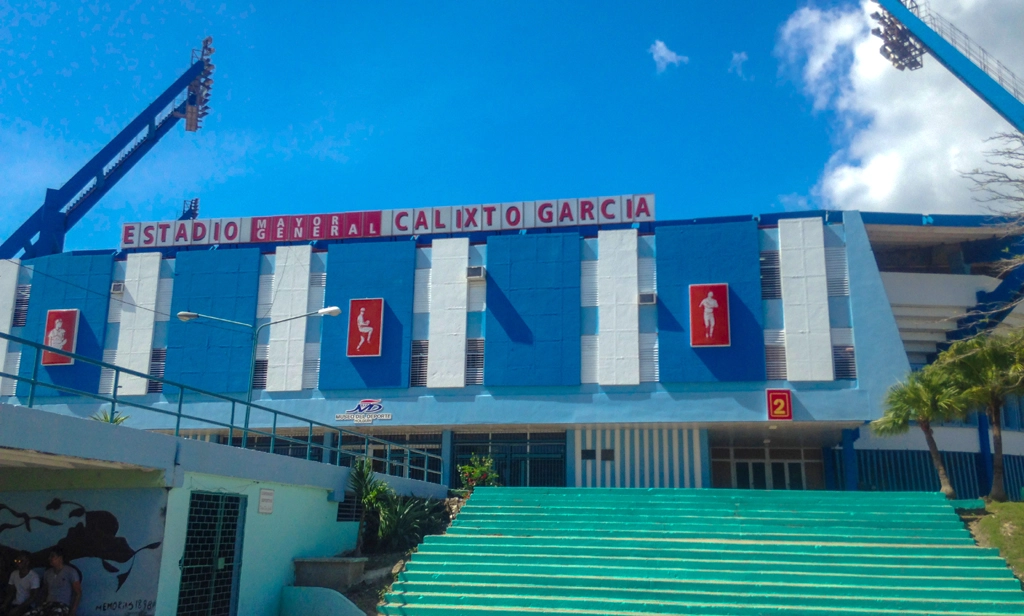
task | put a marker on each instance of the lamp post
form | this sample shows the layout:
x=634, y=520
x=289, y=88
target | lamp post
x=185, y=317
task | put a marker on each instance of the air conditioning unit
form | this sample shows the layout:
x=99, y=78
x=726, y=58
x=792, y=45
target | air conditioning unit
x=647, y=299
x=116, y=287
x=476, y=272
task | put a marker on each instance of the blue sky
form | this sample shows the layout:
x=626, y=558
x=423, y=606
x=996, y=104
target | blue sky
x=323, y=107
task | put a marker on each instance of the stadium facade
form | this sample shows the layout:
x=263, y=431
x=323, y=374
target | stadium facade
x=609, y=350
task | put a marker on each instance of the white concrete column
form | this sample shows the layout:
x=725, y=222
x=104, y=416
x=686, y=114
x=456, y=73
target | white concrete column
x=449, y=298
x=138, y=314
x=290, y=298
x=805, y=300
x=618, y=312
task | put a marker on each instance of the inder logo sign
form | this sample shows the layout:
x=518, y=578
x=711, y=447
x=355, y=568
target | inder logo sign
x=365, y=412
x=61, y=333
x=709, y=315
x=365, y=327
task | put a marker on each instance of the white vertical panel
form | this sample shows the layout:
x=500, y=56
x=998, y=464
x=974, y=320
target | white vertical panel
x=421, y=291
x=449, y=298
x=8, y=293
x=618, y=311
x=138, y=315
x=287, y=349
x=805, y=300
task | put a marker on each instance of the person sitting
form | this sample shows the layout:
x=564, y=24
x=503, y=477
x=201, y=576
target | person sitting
x=62, y=586
x=22, y=584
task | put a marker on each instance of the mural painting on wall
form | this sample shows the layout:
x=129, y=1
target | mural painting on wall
x=365, y=324
x=709, y=315
x=61, y=332
x=112, y=537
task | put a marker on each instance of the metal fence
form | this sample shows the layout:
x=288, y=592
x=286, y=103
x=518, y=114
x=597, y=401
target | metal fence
x=244, y=424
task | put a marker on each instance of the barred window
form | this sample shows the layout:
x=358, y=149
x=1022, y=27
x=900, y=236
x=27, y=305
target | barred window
x=264, y=296
x=475, y=361
x=349, y=509
x=21, y=305
x=418, y=364
x=259, y=375
x=157, y=365
x=844, y=363
x=588, y=359
x=649, y=372
x=311, y=366
x=771, y=275
x=588, y=283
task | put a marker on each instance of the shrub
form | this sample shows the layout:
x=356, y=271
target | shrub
x=404, y=521
x=479, y=472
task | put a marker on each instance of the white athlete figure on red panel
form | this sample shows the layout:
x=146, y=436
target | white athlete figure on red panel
x=709, y=304
x=57, y=337
x=365, y=331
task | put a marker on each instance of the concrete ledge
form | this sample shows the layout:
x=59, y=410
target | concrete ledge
x=312, y=601
x=337, y=573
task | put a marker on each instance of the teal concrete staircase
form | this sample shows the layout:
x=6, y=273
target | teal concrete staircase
x=621, y=551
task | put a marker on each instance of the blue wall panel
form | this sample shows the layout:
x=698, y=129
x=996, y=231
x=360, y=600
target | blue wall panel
x=69, y=281
x=700, y=254
x=206, y=354
x=533, y=310
x=355, y=271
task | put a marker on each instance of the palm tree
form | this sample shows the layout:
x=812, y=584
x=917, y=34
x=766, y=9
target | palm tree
x=925, y=396
x=986, y=370
x=104, y=416
x=369, y=490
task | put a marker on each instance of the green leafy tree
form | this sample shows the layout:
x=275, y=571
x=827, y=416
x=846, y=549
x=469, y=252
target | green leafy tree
x=925, y=397
x=369, y=492
x=479, y=472
x=985, y=370
x=104, y=416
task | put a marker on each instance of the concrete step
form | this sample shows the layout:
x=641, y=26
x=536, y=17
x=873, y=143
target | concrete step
x=673, y=586
x=603, y=600
x=903, y=577
x=960, y=555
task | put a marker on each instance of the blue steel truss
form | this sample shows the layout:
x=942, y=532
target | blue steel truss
x=44, y=231
x=983, y=83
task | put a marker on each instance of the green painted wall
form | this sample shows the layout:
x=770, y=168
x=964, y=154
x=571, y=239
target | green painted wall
x=302, y=525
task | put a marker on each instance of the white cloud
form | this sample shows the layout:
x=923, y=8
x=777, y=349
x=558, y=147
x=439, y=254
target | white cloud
x=905, y=136
x=736, y=65
x=663, y=56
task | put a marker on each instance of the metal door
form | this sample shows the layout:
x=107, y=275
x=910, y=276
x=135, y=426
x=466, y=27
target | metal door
x=213, y=555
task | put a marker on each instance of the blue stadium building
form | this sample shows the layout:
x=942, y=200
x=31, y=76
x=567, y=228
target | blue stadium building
x=570, y=340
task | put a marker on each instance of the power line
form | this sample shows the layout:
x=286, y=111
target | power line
x=36, y=272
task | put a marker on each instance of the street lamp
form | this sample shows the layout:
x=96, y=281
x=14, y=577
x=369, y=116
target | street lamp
x=186, y=316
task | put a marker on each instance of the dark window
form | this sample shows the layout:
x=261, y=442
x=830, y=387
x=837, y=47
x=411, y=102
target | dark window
x=607, y=455
x=588, y=454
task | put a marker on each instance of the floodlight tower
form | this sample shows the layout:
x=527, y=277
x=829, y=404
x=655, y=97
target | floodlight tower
x=909, y=29
x=187, y=98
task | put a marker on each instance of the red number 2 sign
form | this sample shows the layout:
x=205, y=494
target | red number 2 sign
x=780, y=404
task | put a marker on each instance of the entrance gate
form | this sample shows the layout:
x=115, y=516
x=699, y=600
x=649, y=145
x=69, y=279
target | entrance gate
x=212, y=560
x=520, y=458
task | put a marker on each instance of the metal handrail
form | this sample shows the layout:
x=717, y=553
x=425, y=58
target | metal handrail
x=367, y=446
